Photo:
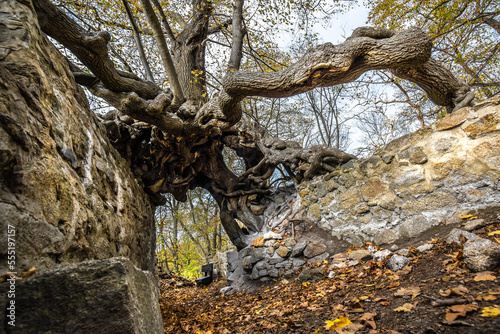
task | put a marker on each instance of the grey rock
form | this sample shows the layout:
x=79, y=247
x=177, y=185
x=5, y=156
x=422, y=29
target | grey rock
x=360, y=254
x=314, y=248
x=233, y=261
x=290, y=242
x=385, y=237
x=283, y=251
x=425, y=248
x=381, y=255
x=235, y=276
x=319, y=258
x=332, y=185
x=276, y=259
x=255, y=274
x=404, y=252
x=273, y=272
x=311, y=275
x=298, y=263
x=247, y=263
x=455, y=234
x=257, y=254
x=284, y=264
x=352, y=263
x=261, y=265
x=321, y=190
x=397, y=262
x=272, y=235
x=481, y=255
x=387, y=158
x=227, y=290
x=299, y=248
x=258, y=209
x=100, y=296
x=279, y=199
x=474, y=224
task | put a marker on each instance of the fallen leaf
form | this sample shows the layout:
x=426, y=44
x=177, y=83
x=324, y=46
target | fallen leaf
x=460, y=290
x=30, y=272
x=450, y=316
x=337, y=323
x=494, y=233
x=368, y=316
x=407, y=307
x=486, y=297
x=352, y=328
x=459, y=311
x=464, y=308
x=466, y=216
x=445, y=293
x=490, y=312
x=411, y=291
x=369, y=319
x=484, y=277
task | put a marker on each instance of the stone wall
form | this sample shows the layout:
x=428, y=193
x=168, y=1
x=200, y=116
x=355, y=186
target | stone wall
x=426, y=178
x=423, y=179
x=70, y=196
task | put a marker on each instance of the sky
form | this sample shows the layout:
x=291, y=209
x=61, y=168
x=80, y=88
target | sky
x=341, y=27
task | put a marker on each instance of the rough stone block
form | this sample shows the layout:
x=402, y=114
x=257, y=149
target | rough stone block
x=319, y=258
x=299, y=248
x=397, y=262
x=455, y=234
x=481, y=255
x=283, y=251
x=314, y=248
x=101, y=296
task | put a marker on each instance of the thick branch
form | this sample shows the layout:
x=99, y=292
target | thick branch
x=90, y=48
x=407, y=53
x=238, y=34
x=138, y=42
x=492, y=23
x=164, y=21
x=164, y=53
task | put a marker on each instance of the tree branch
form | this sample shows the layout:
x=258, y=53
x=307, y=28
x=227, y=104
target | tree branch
x=406, y=53
x=138, y=42
x=238, y=34
x=164, y=53
x=90, y=48
x=164, y=20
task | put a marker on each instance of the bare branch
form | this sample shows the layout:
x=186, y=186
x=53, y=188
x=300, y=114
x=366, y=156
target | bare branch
x=164, y=21
x=238, y=34
x=164, y=53
x=90, y=48
x=138, y=42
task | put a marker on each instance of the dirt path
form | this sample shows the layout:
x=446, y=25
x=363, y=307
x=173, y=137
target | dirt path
x=434, y=294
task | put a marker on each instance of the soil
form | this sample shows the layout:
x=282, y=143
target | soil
x=423, y=297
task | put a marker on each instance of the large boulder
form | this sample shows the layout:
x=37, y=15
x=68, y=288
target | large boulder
x=101, y=296
x=69, y=194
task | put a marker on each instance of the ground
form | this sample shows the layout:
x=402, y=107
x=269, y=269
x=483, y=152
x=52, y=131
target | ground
x=434, y=294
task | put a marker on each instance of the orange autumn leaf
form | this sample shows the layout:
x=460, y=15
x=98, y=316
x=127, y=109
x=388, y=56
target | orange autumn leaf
x=486, y=276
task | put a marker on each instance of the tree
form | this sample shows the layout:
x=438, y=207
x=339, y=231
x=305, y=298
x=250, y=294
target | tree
x=173, y=138
x=465, y=34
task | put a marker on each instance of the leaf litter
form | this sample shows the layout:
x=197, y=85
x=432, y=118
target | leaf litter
x=438, y=295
